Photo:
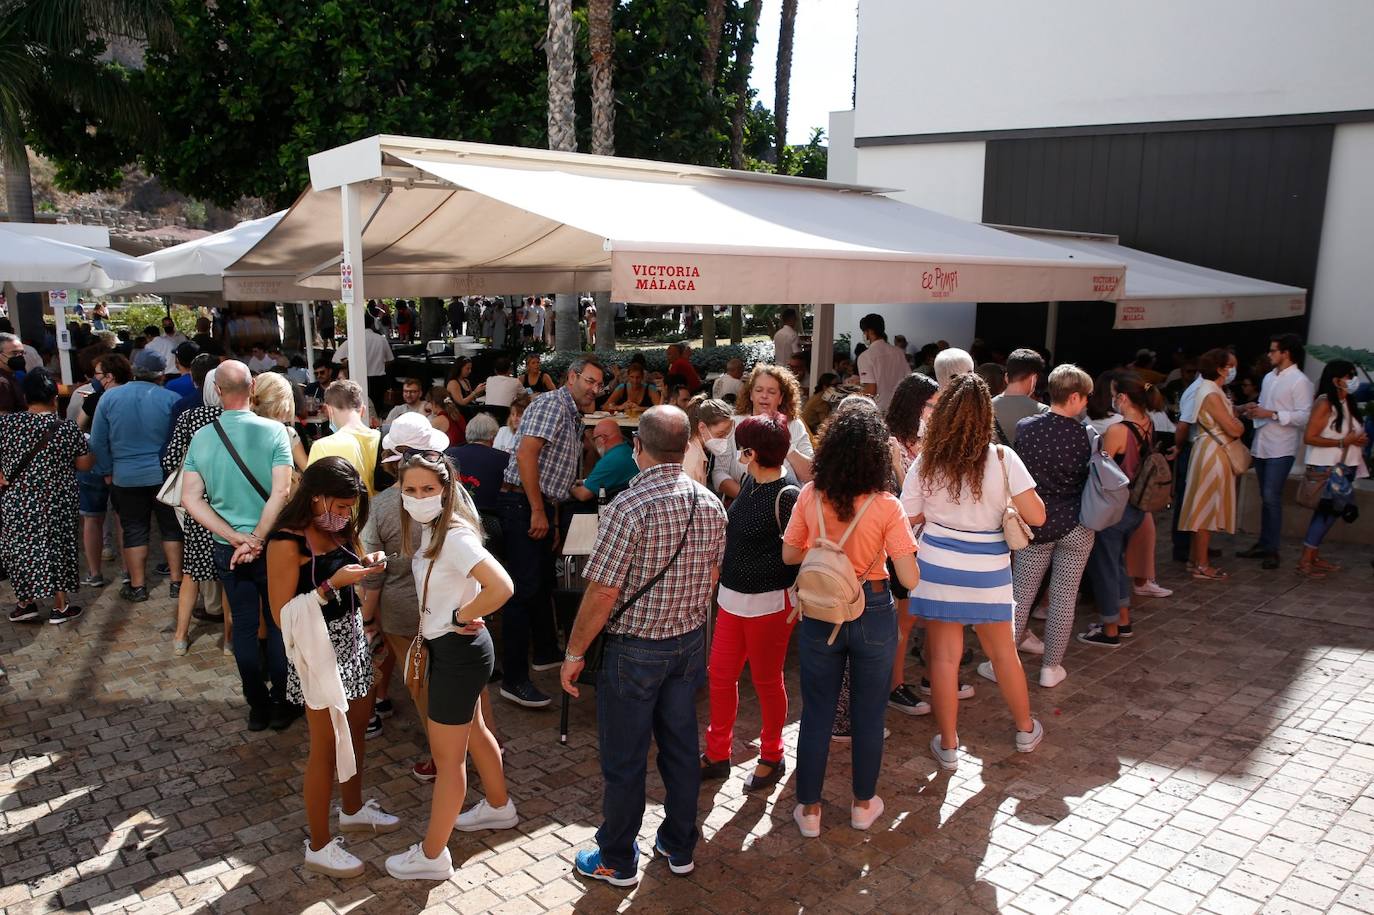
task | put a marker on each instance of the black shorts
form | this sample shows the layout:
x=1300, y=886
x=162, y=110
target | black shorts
x=459, y=668
x=135, y=506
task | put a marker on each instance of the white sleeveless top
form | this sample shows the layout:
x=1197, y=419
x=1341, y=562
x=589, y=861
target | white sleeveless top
x=1321, y=456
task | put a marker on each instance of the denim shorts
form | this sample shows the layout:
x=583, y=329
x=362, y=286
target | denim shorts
x=93, y=493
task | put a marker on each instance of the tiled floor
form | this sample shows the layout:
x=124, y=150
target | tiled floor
x=1221, y=761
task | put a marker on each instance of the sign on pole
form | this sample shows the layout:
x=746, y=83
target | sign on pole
x=58, y=299
x=346, y=283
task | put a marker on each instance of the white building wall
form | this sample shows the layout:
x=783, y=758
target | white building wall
x=931, y=66
x=1343, y=292
x=842, y=161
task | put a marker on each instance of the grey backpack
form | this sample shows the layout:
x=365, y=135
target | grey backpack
x=1107, y=490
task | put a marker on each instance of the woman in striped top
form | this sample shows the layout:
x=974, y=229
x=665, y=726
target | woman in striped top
x=958, y=488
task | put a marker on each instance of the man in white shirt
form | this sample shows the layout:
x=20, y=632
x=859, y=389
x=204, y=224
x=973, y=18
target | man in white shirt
x=1280, y=418
x=785, y=340
x=259, y=361
x=881, y=365
x=166, y=344
x=377, y=354
x=411, y=394
x=731, y=383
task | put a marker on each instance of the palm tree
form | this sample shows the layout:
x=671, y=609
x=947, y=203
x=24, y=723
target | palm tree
x=558, y=48
x=748, y=36
x=46, y=60
x=601, y=44
x=782, y=88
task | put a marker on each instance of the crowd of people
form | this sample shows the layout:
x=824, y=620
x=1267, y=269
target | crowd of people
x=880, y=504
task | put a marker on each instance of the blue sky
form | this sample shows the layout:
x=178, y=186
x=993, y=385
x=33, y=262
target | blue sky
x=822, y=62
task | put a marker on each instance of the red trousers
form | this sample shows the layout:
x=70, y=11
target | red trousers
x=762, y=641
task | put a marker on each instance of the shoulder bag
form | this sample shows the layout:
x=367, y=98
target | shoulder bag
x=1320, y=483
x=1014, y=528
x=234, y=453
x=1107, y=489
x=1237, y=455
x=416, y=672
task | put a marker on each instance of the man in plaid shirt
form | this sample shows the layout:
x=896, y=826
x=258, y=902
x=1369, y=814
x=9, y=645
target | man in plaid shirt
x=666, y=533
x=547, y=457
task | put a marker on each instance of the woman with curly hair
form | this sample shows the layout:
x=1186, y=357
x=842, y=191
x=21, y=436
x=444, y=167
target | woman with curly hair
x=767, y=389
x=851, y=491
x=959, y=487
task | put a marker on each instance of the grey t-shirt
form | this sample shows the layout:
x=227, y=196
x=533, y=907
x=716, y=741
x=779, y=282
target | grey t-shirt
x=400, y=607
x=1010, y=409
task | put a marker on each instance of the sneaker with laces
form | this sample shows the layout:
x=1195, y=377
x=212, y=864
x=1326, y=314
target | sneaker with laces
x=94, y=581
x=528, y=695
x=174, y=590
x=383, y=708
x=1051, y=677
x=904, y=700
x=1031, y=644
x=374, y=727
x=1096, y=635
x=808, y=823
x=986, y=672
x=413, y=864
x=134, y=595
x=551, y=662
x=682, y=865
x=24, y=613
x=864, y=817
x=1027, y=741
x=164, y=570
x=1124, y=631
x=948, y=759
x=370, y=817
x=484, y=816
x=65, y=614
x=966, y=690
x=1151, y=588
x=588, y=864
x=332, y=860
x=424, y=770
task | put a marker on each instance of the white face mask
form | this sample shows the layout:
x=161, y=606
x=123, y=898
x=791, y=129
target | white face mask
x=423, y=510
x=717, y=446
x=1230, y=375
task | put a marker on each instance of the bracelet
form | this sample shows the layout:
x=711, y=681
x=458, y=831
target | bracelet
x=574, y=658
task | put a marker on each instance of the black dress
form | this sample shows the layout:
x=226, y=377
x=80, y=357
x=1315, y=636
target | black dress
x=38, y=511
x=198, y=552
x=342, y=617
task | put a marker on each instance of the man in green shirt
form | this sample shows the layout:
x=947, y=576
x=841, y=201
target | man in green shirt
x=615, y=467
x=239, y=506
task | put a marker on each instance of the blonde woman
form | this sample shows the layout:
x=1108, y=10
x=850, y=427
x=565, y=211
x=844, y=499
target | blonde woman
x=767, y=389
x=710, y=441
x=274, y=398
x=459, y=583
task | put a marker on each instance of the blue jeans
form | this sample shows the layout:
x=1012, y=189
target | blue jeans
x=1272, y=472
x=1322, y=521
x=1183, y=540
x=647, y=688
x=245, y=586
x=867, y=644
x=529, y=612
x=1107, y=566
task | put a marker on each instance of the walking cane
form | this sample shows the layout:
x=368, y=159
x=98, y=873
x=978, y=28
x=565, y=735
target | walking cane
x=563, y=720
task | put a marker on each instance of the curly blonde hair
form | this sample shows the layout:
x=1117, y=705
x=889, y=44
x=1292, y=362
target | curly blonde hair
x=787, y=382
x=954, y=445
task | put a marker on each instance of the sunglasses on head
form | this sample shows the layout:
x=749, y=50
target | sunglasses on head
x=421, y=454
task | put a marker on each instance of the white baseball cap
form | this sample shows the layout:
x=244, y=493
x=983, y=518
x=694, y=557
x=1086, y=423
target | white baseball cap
x=412, y=430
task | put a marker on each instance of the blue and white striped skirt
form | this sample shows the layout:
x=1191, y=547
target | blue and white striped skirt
x=965, y=576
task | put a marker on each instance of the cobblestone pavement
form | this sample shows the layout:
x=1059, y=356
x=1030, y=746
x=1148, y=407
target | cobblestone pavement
x=1220, y=761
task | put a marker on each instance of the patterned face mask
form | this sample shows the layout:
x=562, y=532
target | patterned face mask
x=332, y=522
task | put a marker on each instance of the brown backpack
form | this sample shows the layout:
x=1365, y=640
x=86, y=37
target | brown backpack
x=827, y=588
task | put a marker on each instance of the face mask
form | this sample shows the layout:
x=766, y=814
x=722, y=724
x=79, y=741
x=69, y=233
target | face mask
x=331, y=521
x=423, y=510
x=15, y=363
x=332, y=427
x=1230, y=375
x=96, y=386
x=717, y=446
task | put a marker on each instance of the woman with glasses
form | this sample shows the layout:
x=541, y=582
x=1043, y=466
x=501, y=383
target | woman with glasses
x=1335, y=437
x=315, y=551
x=459, y=583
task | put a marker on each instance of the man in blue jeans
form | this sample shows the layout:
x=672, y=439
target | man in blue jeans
x=1280, y=419
x=649, y=584
x=239, y=505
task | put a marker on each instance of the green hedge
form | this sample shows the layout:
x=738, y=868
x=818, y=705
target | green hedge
x=707, y=359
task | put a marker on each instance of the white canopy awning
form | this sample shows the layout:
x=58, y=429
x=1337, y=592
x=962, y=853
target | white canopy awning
x=34, y=263
x=1162, y=292
x=450, y=218
x=196, y=267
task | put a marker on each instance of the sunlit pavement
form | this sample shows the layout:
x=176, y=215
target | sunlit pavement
x=1220, y=761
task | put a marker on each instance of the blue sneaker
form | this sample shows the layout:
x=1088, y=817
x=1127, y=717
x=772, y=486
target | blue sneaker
x=588, y=864
x=678, y=864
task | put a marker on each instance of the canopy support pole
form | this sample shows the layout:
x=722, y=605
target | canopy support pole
x=1051, y=326
x=308, y=316
x=822, y=340
x=351, y=203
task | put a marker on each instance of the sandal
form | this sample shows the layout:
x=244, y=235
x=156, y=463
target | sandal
x=1309, y=570
x=756, y=782
x=1209, y=573
x=1321, y=565
x=714, y=769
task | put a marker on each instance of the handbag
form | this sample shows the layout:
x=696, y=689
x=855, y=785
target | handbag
x=1237, y=455
x=1107, y=490
x=1322, y=483
x=416, y=672
x=597, y=650
x=1014, y=528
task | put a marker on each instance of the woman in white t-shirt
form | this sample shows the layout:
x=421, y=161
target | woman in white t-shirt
x=459, y=583
x=768, y=389
x=958, y=487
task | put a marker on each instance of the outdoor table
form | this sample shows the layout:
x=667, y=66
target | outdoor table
x=624, y=420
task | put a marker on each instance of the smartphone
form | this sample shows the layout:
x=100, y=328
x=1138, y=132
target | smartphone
x=383, y=561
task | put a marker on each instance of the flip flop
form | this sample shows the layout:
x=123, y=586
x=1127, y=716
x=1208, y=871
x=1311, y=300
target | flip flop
x=1209, y=573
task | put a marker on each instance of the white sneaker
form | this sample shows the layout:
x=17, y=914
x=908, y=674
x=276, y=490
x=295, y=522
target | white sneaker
x=810, y=826
x=1040, y=612
x=1052, y=676
x=986, y=672
x=864, y=817
x=484, y=816
x=948, y=759
x=332, y=860
x=1027, y=741
x=369, y=818
x=1031, y=644
x=412, y=864
x=1151, y=588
